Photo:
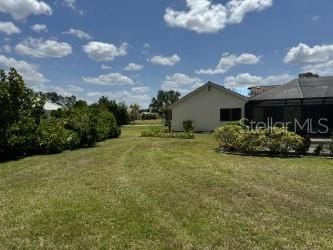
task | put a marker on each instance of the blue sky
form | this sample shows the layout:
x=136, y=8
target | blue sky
x=128, y=50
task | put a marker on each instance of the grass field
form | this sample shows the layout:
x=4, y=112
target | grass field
x=152, y=193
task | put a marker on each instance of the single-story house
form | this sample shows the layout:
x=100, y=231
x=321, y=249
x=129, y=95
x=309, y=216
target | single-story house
x=308, y=99
x=208, y=107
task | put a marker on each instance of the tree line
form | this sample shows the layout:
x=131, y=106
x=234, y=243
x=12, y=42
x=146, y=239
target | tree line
x=25, y=129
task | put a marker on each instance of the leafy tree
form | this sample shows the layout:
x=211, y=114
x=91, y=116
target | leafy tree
x=161, y=104
x=135, y=112
x=119, y=110
x=65, y=101
x=21, y=110
x=80, y=104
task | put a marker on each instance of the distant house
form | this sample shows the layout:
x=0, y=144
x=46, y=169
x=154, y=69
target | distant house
x=307, y=98
x=258, y=90
x=208, y=107
x=49, y=107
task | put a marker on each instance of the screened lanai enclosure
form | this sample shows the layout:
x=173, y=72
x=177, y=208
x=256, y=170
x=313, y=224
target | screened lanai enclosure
x=304, y=104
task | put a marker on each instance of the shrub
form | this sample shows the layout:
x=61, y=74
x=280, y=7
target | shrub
x=229, y=137
x=105, y=122
x=149, y=116
x=252, y=141
x=81, y=122
x=188, y=126
x=280, y=140
x=305, y=146
x=21, y=138
x=20, y=112
x=163, y=133
x=54, y=138
x=154, y=132
x=276, y=140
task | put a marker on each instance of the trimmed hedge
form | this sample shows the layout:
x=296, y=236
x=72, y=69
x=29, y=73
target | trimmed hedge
x=164, y=133
x=274, y=140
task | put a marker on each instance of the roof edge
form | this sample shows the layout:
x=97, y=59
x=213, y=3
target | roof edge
x=209, y=83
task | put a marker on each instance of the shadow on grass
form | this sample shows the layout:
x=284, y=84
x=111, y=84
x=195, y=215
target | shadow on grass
x=272, y=155
x=21, y=157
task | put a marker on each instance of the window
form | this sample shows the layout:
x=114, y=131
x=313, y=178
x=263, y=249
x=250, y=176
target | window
x=230, y=114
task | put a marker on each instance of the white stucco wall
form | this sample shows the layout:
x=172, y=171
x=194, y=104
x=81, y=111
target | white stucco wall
x=203, y=108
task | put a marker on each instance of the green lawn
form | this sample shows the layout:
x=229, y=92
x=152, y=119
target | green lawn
x=151, y=193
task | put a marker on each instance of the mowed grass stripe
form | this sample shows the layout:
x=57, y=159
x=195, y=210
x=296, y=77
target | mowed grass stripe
x=151, y=193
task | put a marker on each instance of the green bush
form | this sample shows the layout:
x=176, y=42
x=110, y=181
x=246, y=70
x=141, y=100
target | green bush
x=82, y=122
x=105, y=123
x=164, y=133
x=305, y=146
x=54, y=138
x=20, y=112
x=275, y=140
x=229, y=137
x=25, y=129
x=154, y=132
x=188, y=126
x=252, y=141
x=280, y=140
x=21, y=138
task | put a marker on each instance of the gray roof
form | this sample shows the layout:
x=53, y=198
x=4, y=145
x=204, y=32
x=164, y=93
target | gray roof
x=204, y=86
x=301, y=88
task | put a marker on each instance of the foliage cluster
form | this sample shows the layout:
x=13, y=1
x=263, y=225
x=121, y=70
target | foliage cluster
x=188, y=126
x=164, y=133
x=119, y=110
x=162, y=102
x=273, y=140
x=26, y=130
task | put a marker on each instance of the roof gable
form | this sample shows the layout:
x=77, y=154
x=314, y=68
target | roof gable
x=214, y=85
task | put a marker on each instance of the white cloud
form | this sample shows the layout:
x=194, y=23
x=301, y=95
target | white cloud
x=133, y=67
x=104, y=51
x=165, y=61
x=104, y=66
x=20, y=9
x=27, y=70
x=181, y=83
x=109, y=79
x=9, y=28
x=322, y=69
x=140, y=90
x=304, y=54
x=126, y=96
x=229, y=61
x=317, y=59
x=204, y=16
x=68, y=90
x=40, y=48
x=70, y=3
x=78, y=33
x=39, y=27
x=247, y=80
x=6, y=48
